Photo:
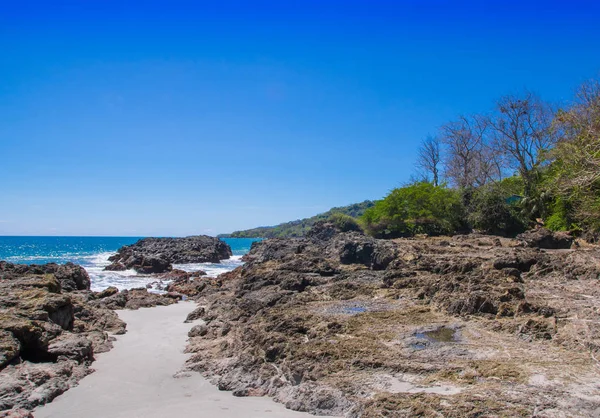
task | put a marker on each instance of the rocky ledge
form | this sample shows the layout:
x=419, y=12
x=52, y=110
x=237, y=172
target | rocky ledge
x=340, y=323
x=156, y=255
x=51, y=326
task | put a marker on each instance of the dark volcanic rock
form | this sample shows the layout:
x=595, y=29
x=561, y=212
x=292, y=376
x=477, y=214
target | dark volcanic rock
x=544, y=238
x=132, y=299
x=156, y=255
x=69, y=275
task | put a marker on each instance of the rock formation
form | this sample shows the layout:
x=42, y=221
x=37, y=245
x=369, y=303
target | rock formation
x=546, y=239
x=340, y=323
x=51, y=326
x=156, y=255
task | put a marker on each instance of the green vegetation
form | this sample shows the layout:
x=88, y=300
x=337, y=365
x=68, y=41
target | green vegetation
x=499, y=174
x=523, y=164
x=420, y=208
x=300, y=227
x=345, y=223
x=495, y=209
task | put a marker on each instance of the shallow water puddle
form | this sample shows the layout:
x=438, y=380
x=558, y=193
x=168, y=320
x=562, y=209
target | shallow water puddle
x=354, y=309
x=440, y=335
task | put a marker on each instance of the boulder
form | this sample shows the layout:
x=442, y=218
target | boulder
x=70, y=276
x=133, y=299
x=544, y=238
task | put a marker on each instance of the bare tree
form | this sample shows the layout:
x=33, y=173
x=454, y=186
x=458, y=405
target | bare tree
x=521, y=132
x=579, y=147
x=469, y=162
x=429, y=159
x=578, y=154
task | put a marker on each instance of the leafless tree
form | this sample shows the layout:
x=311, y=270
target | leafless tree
x=579, y=147
x=429, y=159
x=578, y=153
x=521, y=132
x=469, y=162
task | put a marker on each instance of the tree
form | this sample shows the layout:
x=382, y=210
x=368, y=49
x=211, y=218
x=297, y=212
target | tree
x=470, y=161
x=579, y=146
x=415, y=209
x=492, y=212
x=428, y=159
x=522, y=134
x=577, y=166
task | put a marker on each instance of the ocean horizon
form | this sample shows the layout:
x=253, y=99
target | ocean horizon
x=92, y=253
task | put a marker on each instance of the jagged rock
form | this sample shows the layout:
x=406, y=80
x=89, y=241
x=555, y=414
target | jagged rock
x=331, y=323
x=49, y=332
x=544, y=238
x=197, y=313
x=109, y=291
x=16, y=413
x=198, y=331
x=133, y=299
x=521, y=262
x=70, y=276
x=144, y=264
x=156, y=255
x=322, y=231
x=71, y=346
x=355, y=248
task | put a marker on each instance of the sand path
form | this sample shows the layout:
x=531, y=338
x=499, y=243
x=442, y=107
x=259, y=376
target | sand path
x=135, y=378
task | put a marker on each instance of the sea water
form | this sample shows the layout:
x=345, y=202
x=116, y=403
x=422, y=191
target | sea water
x=92, y=253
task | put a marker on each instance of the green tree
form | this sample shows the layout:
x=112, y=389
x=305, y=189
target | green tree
x=418, y=208
x=495, y=208
x=577, y=166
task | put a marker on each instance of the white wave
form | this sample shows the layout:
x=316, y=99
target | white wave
x=100, y=259
x=212, y=269
x=94, y=264
x=130, y=279
x=127, y=279
x=122, y=280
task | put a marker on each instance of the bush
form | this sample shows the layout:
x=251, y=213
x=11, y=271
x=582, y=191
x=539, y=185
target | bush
x=494, y=210
x=561, y=216
x=420, y=208
x=344, y=222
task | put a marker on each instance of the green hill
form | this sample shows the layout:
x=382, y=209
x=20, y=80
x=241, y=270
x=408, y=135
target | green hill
x=300, y=227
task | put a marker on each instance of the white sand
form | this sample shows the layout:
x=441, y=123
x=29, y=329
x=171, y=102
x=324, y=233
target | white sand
x=135, y=378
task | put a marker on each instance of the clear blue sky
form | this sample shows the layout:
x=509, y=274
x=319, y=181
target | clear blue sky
x=177, y=118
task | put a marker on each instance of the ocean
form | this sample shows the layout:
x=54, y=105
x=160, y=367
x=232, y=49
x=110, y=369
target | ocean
x=92, y=254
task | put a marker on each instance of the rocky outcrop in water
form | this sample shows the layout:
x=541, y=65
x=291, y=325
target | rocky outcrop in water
x=51, y=326
x=156, y=255
x=340, y=323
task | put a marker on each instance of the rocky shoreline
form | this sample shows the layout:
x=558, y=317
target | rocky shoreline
x=51, y=327
x=341, y=323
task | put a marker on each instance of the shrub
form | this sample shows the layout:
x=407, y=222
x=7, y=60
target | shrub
x=345, y=223
x=420, y=208
x=561, y=216
x=494, y=210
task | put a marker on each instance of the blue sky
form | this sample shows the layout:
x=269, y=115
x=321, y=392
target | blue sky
x=178, y=118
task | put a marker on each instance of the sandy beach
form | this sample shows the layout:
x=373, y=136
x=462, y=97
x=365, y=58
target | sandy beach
x=136, y=378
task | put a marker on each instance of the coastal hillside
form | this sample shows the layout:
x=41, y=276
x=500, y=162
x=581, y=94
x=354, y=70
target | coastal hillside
x=300, y=227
